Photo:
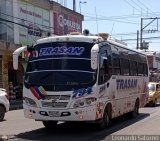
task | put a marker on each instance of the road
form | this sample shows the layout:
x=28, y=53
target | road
x=18, y=128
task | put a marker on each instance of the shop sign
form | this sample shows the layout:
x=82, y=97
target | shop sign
x=35, y=21
x=64, y=24
x=62, y=21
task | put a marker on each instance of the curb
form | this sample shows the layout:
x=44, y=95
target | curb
x=15, y=108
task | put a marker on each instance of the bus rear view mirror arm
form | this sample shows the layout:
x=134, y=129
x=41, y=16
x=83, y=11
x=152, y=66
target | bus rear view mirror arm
x=16, y=53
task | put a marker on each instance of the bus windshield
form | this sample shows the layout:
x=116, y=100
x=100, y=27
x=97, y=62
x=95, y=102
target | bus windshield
x=60, y=65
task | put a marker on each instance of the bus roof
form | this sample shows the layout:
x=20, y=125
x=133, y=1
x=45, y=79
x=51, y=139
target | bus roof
x=75, y=38
x=84, y=38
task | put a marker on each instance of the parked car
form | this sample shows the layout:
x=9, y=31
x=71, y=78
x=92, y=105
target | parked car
x=4, y=103
x=154, y=93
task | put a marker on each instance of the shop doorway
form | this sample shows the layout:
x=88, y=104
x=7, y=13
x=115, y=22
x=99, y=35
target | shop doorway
x=15, y=78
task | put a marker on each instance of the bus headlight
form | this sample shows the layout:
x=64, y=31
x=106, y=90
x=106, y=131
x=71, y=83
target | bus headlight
x=84, y=102
x=90, y=100
x=29, y=102
x=79, y=103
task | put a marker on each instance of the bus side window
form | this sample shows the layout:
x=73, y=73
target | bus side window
x=133, y=68
x=145, y=69
x=124, y=66
x=109, y=61
x=116, y=64
x=140, y=69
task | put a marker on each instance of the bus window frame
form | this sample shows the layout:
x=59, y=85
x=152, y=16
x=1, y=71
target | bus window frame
x=107, y=64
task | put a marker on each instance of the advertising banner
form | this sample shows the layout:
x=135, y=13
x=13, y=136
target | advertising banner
x=64, y=24
x=34, y=23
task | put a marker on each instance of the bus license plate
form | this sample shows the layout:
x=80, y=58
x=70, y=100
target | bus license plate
x=54, y=113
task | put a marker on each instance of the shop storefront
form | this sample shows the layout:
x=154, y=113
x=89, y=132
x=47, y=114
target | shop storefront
x=15, y=81
x=12, y=80
x=33, y=24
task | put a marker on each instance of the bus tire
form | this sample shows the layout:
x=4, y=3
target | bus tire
x=106, y=119
x=2, y=112
x=135, y=112
x=50, y=124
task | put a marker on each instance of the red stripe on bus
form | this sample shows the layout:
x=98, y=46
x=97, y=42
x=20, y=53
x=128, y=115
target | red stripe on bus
x=35, y=93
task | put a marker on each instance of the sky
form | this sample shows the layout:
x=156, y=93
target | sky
x=121, y=19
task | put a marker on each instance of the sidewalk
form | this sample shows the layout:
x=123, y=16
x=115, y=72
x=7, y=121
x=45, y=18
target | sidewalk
x=16, y=104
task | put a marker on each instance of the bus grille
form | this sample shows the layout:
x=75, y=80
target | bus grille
x=55, y=101
x=54, y=104
x=57, y=97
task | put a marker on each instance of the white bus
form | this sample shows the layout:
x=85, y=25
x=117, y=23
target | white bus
x=82, y=78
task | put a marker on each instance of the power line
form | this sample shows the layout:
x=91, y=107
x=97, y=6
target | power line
x=25, y=20
x=91, y=17
x=132, y=5
x=108, y=19
x=123, y=16
x=120, y=34
x=115, y=17
x=147, y=38
x=137, y=5
x=103, y=19
x=132, y=33
x=145, y=6
x=22, y=25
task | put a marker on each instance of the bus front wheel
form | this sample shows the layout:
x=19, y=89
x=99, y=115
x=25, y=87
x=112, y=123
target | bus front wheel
x=106, y=119
x=50, y=124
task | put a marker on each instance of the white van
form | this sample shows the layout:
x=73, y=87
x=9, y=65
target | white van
x=4, y=103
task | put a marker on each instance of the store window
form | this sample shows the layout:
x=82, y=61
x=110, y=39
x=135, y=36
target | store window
x=6, y=25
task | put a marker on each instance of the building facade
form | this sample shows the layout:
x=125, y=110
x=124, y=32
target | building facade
x=22, y=22
x=154, y=64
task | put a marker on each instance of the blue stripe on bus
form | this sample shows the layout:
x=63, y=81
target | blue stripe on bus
x=60, y=58
x=60, y=70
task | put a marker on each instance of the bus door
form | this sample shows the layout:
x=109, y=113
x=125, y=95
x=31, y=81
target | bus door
x=104, y=75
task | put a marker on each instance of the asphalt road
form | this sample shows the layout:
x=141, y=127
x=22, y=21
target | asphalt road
x=18, y=128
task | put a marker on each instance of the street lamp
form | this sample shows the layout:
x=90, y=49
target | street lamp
x=81, y=2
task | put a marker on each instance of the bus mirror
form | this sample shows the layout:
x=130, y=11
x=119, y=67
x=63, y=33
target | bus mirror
x=16, y=53
x=94, y=56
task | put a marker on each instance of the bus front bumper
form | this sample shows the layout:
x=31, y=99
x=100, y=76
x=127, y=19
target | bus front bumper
x=79, y=114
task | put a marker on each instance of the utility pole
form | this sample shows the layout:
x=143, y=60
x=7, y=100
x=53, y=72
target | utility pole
x=143, y=27
x=137, y=39
x=141, y=36
x=74, y=5
x=81, y=2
